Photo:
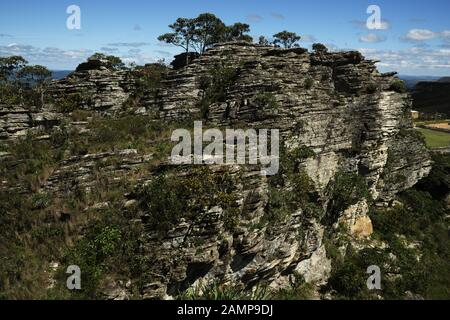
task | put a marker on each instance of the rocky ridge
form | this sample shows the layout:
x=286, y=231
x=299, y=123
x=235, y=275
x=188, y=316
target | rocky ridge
x=335, y=104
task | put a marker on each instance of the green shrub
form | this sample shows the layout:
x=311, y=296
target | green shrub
x=371, y=88
x=308, y=83
x=398, y=86
x=218, y=292
x=71, y=102
x=345, y=190
x=266, y=105
x=168, y=198
x=215, y=86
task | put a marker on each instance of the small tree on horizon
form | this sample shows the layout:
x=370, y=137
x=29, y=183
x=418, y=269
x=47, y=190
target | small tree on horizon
x=10, y=65
x=208, y=30
x=319, y=47
x=263, y=41
x=182, y=35
x=37, y=76
x=238, y=32
x=286, y=39
x=203, y=32
x=114, y=61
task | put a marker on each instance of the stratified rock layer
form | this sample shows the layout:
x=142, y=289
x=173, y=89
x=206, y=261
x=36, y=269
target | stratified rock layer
x=335, y=104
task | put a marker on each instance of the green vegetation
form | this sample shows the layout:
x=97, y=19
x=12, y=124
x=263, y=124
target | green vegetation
x=371, y=88
x=148, y=81
x=168, y=198
x=22, y=84
x=291, y=189
x=266, y=105
x=298, y=290
x=418, y=246
x=215, y=86
x=436, y=139
x=309, y=83
x=345, y=190
x=398, y=86
x=109, y=250
x=202, y=32
x=319, y=48
x=286, y=39
x=114, y=62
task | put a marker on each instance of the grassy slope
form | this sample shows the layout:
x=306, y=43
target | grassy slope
x=436, y=139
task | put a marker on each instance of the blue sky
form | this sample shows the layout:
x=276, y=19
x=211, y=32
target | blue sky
x=415, y=38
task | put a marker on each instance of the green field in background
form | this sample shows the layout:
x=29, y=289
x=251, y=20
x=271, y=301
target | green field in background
x=436, y=139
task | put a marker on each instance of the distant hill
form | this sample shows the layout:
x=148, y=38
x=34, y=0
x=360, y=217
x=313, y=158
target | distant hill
x=444, y=79
x=411, y=81
x=59, y=74
x=432, y=96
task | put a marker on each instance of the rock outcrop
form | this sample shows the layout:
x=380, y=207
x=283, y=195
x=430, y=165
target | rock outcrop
x=337, y=105
x=100, y=86
x=16, y=121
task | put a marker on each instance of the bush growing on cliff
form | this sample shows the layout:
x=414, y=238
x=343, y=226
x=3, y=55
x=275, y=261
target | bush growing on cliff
x=266, y=106
x=148, y=80
x=215, y=86
x=309, y=83
x=398, y=86
x=319, y=48
x=345, y=190
x=168, y=198
x=371, y=88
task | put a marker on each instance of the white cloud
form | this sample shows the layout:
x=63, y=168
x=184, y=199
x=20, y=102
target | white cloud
x=424, y=60
x=420, y=35
x=372, y=37
x=54, y=58
x=129, y=44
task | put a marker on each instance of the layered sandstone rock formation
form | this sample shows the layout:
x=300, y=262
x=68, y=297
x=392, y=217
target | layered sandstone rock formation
x=337, y=105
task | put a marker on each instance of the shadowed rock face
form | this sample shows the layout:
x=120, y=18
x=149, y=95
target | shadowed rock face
x=432, y=97
x=336, y=104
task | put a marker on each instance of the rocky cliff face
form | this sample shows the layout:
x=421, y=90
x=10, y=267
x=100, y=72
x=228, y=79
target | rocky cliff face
x=100, y=87
x=337, y=106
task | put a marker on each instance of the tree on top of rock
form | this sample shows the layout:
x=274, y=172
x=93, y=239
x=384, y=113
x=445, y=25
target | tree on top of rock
x=10, y=65
x=286, y=39
x=237, y=32
x=319, y=48
x=182, y=35
x=113, y=61
x=202, y=32
x=208, y=31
